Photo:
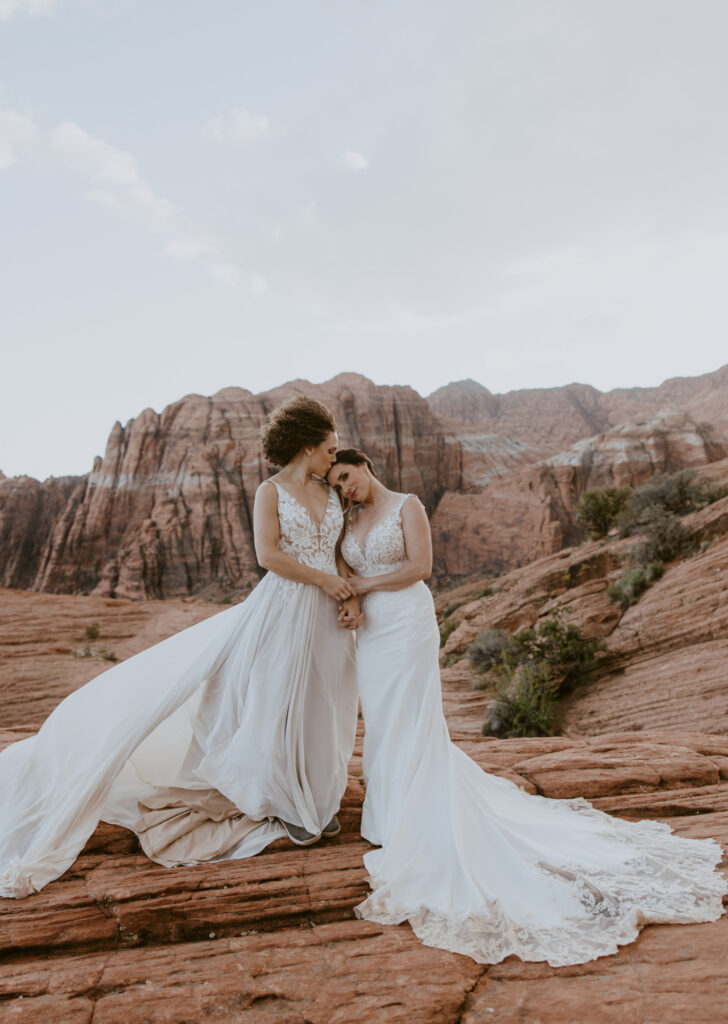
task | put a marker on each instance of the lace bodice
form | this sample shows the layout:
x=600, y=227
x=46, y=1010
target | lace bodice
x=301, y=538
x=383, y=549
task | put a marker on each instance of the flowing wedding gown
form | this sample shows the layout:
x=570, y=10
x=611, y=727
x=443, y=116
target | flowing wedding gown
x=200, y=742
x=474, y=863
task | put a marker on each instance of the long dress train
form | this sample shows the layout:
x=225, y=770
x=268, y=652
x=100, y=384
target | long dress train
x=474, y=863
x=201, y=741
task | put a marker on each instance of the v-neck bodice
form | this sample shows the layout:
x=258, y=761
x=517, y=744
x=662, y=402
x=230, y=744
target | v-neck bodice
x=311, y=543
x=382, y=549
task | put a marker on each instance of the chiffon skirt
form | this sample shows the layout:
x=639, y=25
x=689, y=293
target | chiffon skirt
x=197, y=744
x=477, y=865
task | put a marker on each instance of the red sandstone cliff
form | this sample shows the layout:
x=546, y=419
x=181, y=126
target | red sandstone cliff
x=167, y=511
x=522, y=515
x=557, y=417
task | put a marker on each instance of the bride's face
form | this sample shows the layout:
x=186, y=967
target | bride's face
x=352, y=482
x=323, y=455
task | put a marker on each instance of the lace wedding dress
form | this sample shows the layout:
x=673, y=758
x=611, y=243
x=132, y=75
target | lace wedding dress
x=474, y=863
x=198, y=743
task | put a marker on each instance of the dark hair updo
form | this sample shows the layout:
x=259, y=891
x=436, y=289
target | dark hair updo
x=354, y=457
x=299, y=423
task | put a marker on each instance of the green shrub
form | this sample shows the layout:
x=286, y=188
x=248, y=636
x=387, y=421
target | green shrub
x=599, y=510
x=533, y=669
x=481, y=592
x=525, y=703
x=575, y=575
x=667, y=495
x=568, y=654
x=489, y=647
x=665, y=536
x=454, y=607
x=92, y=631
x=628, y=589
x=446, y=628
x=678, y=493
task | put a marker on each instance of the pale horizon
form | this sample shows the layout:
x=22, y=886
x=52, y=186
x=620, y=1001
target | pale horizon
x=526, y=195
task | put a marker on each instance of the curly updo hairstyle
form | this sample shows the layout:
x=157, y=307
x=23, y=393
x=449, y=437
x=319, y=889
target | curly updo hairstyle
x=354, y=457
x=299, y=423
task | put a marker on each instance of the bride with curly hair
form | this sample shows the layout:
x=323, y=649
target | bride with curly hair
x=226, y=736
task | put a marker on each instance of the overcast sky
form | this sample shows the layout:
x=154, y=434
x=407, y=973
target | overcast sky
x=195, y=195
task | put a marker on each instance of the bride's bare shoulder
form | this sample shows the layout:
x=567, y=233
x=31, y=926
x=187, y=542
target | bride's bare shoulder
x=266, y=492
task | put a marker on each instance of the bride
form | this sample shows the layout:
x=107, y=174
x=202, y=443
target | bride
x=234, y=732
x=475, y=864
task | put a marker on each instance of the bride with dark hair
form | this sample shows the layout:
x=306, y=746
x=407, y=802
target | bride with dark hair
x=474, y=863
x=226, y=736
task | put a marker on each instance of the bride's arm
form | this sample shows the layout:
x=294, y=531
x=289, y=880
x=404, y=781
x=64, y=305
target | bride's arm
x=418, y=545
x=350, y=613
x=266, y=535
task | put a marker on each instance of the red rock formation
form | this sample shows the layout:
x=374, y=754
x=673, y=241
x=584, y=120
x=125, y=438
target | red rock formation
x=666, y=654
x=557, y=417
x=167, y=511
x=29, y=511
x=523, y=515
x=119, y=939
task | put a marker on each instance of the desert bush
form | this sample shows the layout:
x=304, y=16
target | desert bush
x=92, y=632
x=679, y=493
x=575, y=574
x=533, y=669
x=665, y=495
x=599, y=510
x=446, y=628
x=628, y=589
x=562, y=647
x=665, y=537
x=453, y=607
x=489, y=647
x=525, y=703
x=481, y=592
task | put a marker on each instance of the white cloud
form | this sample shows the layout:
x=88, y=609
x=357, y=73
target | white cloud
x=32, y=7
x=238, y=126
x=17, y=133
x=354, y=161
x=227, y=273
x=94, y=157
x=192, y=246
x=258, y=284
x=120, y=188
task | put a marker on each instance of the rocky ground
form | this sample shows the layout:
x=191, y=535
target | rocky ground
x=120, y=940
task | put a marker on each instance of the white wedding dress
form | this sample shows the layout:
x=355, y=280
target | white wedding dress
x=200, y=742
x=474, y=863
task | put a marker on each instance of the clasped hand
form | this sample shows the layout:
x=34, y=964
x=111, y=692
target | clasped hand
x=350, y=614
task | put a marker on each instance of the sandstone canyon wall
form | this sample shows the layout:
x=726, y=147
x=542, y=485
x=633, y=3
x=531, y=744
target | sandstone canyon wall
x=167, y=511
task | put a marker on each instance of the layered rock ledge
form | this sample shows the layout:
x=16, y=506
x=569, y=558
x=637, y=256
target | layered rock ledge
x=120, y=940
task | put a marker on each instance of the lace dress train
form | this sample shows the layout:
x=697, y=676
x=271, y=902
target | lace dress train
x=474, y=863
x=199, y=743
